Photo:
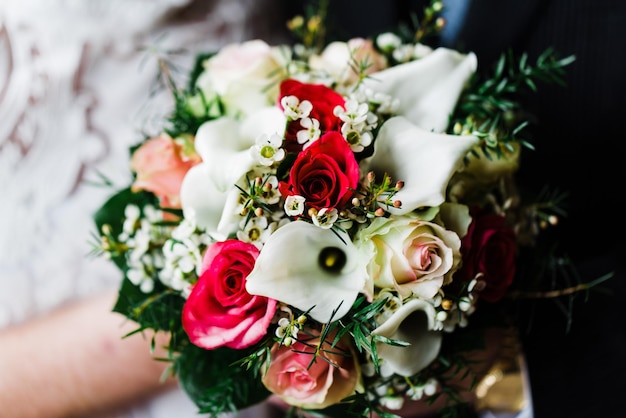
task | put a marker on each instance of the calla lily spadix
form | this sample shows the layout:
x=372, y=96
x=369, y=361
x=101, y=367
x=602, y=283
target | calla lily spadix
x=309, y=267
x=428, y=88
x=224, y=146
x=412, y=323
x=425, y=161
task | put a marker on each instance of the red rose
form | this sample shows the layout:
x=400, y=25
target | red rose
x=219, y=311
x=324, y=101
x=325, y=174
x=489, y=253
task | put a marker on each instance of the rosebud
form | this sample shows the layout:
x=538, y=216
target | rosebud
x=446, y=304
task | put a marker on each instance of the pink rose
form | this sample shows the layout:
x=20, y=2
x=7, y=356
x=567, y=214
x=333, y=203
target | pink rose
x=489, y=253
x=293, y=378
x=219, y=311
x=324, y=101
x=325, y=174
x=161, y=164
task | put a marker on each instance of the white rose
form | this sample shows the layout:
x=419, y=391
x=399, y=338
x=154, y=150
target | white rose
x=245, y=75
x=409, y=255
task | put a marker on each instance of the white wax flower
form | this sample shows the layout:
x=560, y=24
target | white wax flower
x=428, y=88
x=309, y=267
x=413, y=323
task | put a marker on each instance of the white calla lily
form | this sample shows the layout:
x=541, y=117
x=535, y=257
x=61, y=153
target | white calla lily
x=428, y=88
x=414, y=324
x=425, y=161
x=309, y=267
x=456, y=217
x=224, y=146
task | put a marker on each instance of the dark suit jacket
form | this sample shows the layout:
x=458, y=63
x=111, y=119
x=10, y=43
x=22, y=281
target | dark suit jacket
x=580, y=148
x=580, y=137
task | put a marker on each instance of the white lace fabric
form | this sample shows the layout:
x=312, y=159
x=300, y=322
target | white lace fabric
x=74, y=95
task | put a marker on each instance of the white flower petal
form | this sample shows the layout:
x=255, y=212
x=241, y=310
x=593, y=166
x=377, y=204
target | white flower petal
x=224, y=145
x=288, y=270
x=428, y=88
x=423, y=160
x=456, y=217
x=201, y=199
x=413, y=322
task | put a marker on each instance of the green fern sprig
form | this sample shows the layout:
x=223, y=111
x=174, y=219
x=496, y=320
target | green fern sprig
x=490, y=107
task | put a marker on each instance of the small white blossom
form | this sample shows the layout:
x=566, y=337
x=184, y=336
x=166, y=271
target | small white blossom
x=357, y=140
x=131, y=216
x=310, y=133
x=354, y=113
x=287, y=330
x=152, y=214
x=430, y=388
x=183, y=261
x=139, y=277
x=267, y=149
x=465, y=304
x=421, y=50
x=294, y=109
x=140, y=242
x=388, y=41
x=325, y=218
x=255, y=231
x=403, y=53
x=271, y=195
x=294, y=205
x=441, y=316
x=392, y=402
x=185, y=229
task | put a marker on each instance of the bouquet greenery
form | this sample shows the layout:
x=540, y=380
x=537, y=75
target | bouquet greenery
x=322, y=221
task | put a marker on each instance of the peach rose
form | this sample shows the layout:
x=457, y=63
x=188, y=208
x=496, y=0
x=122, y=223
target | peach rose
x=294, y=378
x=161, y=163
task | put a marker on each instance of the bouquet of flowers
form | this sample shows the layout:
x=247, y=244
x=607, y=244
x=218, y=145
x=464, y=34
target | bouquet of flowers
x=317, y=222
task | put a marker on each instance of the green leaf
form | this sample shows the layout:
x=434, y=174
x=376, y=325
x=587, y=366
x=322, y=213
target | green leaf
x=213, y=387
x=112, y=212
x=158, y=310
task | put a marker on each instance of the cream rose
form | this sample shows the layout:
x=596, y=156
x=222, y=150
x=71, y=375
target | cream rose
x=245, y=76
x=338, y=60
x=409, y=255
